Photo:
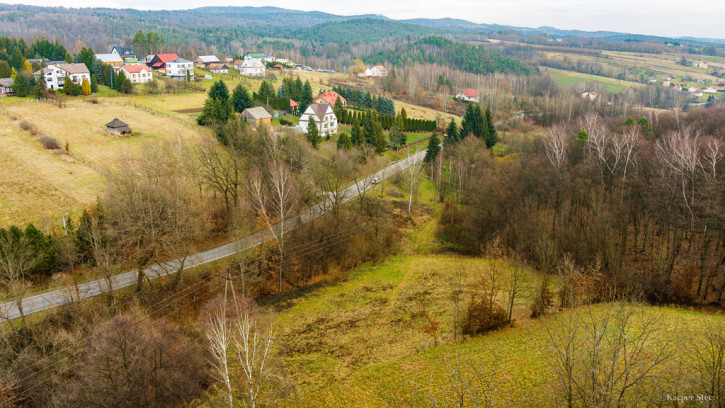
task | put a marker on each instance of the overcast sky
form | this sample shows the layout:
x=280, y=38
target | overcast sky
x=699, y=18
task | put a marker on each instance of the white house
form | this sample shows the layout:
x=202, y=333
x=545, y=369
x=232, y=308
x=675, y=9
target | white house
x=55, y=75
x=218, y=68
x=695, y=91
x=252, y=68
x=376, y=71
x=206, y=59
x=6, y=86
x=469, y=95
x=179, y=67
x=710, y=90
x=591, y=95
x=138, y=73
x=324, y=118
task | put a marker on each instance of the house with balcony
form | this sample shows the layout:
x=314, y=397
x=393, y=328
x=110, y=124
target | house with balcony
x=179, y=68
x=324, y=117
x=55, y=75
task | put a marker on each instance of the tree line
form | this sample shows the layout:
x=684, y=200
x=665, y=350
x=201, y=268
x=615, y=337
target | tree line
x=361, y=99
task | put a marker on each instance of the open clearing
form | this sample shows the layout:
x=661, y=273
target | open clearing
x=569, y=78
x=362, y=341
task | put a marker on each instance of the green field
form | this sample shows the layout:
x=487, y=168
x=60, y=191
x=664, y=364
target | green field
x=569, y=78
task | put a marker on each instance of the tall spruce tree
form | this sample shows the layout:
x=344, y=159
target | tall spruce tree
x=491, y=136
x=306, y=96
x=452, y=131
x=356, y=133
x=313, y=134
x=218, y=107
x=434, y=147
x=473, y=122
x=5, y=70
x=241, y=99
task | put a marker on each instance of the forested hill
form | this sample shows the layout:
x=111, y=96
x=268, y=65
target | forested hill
x=363, y=30
x=442, y=51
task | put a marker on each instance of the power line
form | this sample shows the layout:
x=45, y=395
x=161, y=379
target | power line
x=296, y=251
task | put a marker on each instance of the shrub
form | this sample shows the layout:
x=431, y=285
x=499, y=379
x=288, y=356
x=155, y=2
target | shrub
x=483, y=315
x=93, y=101
x=285, y=122
x=49, y=142
x=394, y=193
x=25, y=125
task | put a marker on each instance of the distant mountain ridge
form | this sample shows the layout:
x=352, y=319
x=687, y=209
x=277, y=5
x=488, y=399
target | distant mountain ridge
x=280, y=22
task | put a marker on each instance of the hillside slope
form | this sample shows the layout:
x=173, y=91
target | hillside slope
x=362, y=342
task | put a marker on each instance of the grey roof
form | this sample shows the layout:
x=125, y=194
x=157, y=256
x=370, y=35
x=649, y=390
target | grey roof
x=75, y=68
x=7, y=82
x=256, y=113
x=106, y=58
x=207, y=58
x=116, y=124
x=124, y=50
x=179, y=60
x=319, y=109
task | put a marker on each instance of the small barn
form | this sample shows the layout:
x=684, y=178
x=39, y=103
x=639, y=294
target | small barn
x=257, y=116
x=118, y=127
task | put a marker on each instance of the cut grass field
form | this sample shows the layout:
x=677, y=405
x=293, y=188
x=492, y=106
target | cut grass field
x=362, y=341
x=38, y=184
x=569, y=78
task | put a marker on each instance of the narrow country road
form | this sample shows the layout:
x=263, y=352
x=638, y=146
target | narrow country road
x=50, y=299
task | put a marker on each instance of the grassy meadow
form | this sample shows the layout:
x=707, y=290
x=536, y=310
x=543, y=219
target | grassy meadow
x=569, y=78
x=361, y=342
x=38, y=184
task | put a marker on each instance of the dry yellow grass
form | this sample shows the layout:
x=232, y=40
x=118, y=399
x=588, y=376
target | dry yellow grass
x=37, y=184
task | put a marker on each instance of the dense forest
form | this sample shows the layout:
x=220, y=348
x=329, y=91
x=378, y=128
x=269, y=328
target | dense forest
x=445, y=52
x=363, y=30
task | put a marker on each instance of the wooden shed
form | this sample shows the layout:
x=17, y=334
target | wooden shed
x=118, y=127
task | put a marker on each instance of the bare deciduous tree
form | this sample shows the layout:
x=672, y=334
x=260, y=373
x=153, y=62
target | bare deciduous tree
x=606, y=355
x=17, y=259
x=412, y=177
x=277, y=193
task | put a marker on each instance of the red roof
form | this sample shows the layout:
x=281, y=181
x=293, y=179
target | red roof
x=331, y=97
x=292, y=103
x=166, y=57
x=470, y=93
x=136, y=68
x=381, y=68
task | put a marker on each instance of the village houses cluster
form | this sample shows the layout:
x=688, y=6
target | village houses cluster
x=140, y=70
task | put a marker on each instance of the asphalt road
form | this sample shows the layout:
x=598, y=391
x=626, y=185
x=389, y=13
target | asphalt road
x=54, y=298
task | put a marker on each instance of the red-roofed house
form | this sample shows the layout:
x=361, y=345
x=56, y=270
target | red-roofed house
x=137, y=73
x=376, y=71
x=469, y=95
x=293, y=106
x=159, y=60
x=329, y=98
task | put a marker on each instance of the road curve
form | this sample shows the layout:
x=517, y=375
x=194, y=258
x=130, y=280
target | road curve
x=54, y=298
